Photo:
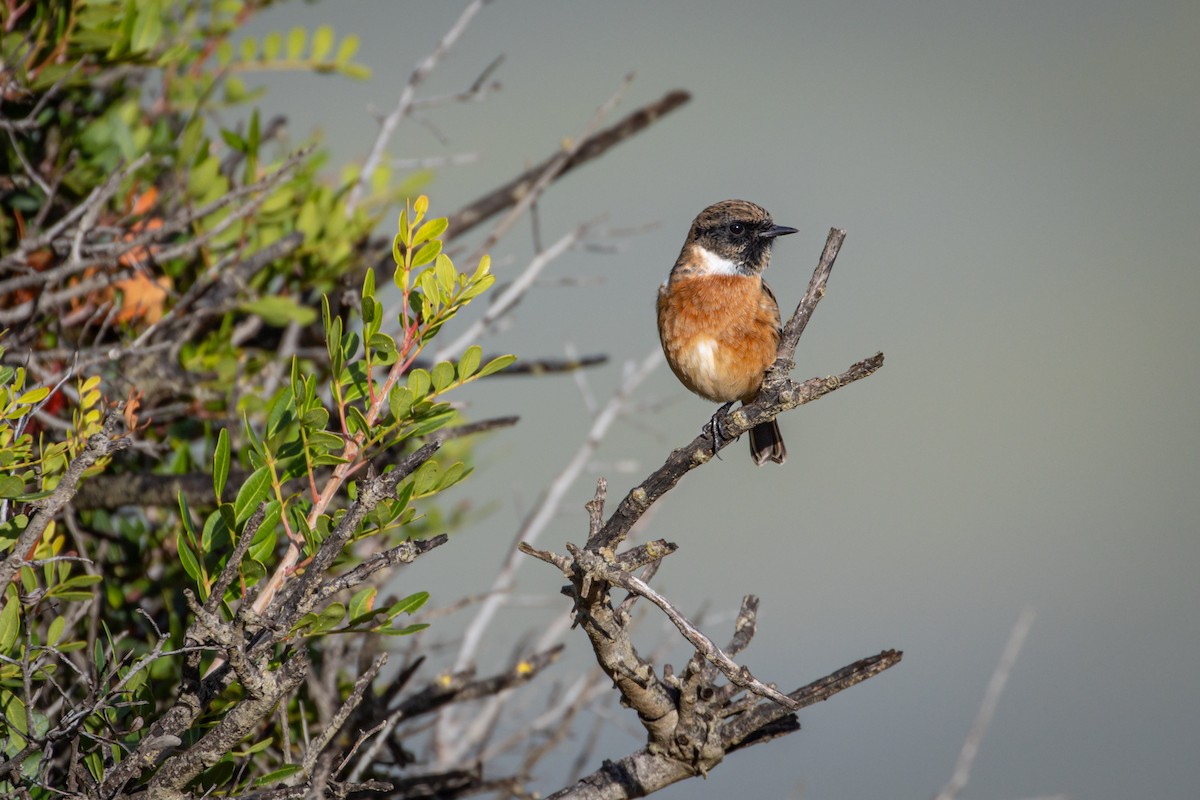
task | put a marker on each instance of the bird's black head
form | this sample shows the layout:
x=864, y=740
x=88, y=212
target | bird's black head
x=734, y=236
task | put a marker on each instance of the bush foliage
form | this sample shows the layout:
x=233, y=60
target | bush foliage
x=156, y=262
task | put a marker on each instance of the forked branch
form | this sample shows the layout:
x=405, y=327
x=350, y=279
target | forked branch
x=691, y=720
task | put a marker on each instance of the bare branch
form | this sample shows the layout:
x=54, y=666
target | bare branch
x=484, y=208
x=528, y=195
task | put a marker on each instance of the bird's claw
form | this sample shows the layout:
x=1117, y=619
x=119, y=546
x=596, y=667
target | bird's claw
x=713, y=428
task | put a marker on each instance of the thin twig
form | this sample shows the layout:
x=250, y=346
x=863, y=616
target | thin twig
x=361, y=685
x=738, y=675
x=408, y=96
x=548, y=506
x=539, y=518
x=527, y=196
x=991, y=699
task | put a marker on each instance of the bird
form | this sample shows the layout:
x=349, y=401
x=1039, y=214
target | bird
x=718, y=321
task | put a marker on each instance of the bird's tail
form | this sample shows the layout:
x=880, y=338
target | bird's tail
x=766, y=444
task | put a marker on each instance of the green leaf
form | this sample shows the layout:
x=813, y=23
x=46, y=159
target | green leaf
x=442, y=376
x=469, y=362
x=185, y=515
x=408, y=605
x=356, y=71
x=14, y=713
x=55, y=634
x=278, y=775
x=398, y=256
x=322, y=42
x=428, y=252
x=234, y=140
x=265, y=538
x=385, y=348
x=476, y=287
x=405, y=631
x=430, y=292
x=315, y=419
x=191, y=565
x=297, y=38
x=431, y=422
x=221, y=463
x=362, y=605
x=174, y=54
x=330, y=617
x=333, y=337
x=80, y=581
x=257, y=747
x=369, y=307
x=356, y=422
x=419, y=382
x=11, y=486
x=322, y=442
x=33, y=396
x=347, y=49
x=308, y=221
x=399, y=402
x=496, y=364
x=272, y=45
x=76, y=588
x=11, y=530
x=216, y=533
x=433, y=228
x=455, y=473
x=256, y=445
x=278, y=311
x=10, y=620
x=282, y=414
x=256, y=489
x=147, y=28
x=444, y=270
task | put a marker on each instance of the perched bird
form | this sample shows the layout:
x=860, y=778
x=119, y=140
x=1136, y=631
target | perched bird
x=717, y=319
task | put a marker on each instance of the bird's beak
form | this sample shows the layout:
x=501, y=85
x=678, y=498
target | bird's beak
x=778, y=230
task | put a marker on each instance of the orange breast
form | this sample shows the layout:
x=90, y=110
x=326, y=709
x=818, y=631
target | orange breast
x=719, y=333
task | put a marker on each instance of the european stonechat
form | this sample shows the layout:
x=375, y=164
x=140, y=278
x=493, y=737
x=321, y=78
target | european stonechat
x=718, y=320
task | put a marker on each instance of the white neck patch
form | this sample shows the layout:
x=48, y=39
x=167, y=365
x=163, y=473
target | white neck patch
x=714, y=264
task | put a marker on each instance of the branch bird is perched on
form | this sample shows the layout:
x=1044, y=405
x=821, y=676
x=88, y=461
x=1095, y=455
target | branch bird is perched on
x=717, y=318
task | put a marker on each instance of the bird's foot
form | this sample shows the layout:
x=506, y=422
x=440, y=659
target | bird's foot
x=714, y=428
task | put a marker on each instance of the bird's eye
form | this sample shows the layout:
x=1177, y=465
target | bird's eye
x=737, y=228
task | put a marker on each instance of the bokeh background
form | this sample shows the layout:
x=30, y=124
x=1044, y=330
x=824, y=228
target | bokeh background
x=1021, y=186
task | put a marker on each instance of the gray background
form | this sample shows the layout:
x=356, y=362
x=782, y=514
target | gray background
x=1020, y=184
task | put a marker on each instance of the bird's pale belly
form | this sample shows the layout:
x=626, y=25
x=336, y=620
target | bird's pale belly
x=717, y=372
x=719, y=335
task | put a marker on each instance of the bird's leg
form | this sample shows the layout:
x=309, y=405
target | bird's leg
x=715, y=427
